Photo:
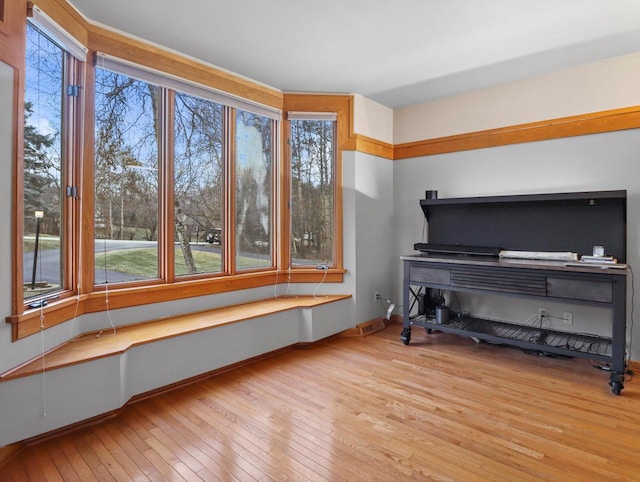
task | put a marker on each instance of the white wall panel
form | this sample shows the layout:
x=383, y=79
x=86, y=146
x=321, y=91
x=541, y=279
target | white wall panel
x=372, y=119
x=609, y=84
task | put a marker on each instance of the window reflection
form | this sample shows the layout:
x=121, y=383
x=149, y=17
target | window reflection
x=254, y=144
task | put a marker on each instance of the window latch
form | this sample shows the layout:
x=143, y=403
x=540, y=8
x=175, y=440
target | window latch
x=72, y=191
x=73, y=90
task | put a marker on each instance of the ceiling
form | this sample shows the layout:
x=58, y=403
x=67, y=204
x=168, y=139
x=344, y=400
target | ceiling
x=396, y=52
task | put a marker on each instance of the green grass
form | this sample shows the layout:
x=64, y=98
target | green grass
x=45, y=243
x=143, y=262
x=244, y=262
x=205, y=262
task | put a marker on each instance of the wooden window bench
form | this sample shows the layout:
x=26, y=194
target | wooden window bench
x=96, y=345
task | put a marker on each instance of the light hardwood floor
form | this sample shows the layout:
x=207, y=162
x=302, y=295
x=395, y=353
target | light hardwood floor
x=442, y=408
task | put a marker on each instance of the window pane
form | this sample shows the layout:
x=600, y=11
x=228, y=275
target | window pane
x=126, y=178
x=43, y=165
x=199, y=185
x=312, y=191
x=254, y=139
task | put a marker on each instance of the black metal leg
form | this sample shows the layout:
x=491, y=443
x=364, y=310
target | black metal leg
x=618, y=342
x=616, y=381
x=405, y=336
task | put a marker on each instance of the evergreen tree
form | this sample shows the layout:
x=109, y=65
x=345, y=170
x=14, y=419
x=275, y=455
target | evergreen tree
x=36, y=164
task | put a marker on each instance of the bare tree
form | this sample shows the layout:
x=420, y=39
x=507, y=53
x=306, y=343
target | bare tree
x=312, y=207
x=198, y=165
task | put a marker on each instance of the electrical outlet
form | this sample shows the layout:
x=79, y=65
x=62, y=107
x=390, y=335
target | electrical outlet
x=542, y=312
x=567, y=317
x=376, y=296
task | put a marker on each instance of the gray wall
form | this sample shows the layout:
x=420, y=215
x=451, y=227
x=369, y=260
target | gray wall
x=368, y=230
x=585, y=163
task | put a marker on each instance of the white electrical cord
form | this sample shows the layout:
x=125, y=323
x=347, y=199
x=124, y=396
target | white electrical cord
x=106, y=301
x=275, y=286
x=320, y=284
x=44, y=371
x=388, y=309
x=75, y=313
x=106, y=290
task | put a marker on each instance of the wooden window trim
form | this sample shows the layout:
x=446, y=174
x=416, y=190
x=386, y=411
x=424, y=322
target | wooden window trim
x=59, y=311
x=86, y=255
x=166, y=209
x=75, y=124
x=230, y=195
x=109, y=42
x=72, y=146
x=570, y=126
x=12, y=15
x=17, y=218
x=3, y=27
x=342, y=105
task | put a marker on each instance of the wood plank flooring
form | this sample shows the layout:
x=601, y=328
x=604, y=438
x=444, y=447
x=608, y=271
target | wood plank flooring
x=443, y=408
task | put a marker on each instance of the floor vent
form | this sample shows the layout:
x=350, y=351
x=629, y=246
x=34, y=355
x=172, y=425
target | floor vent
x=371, y=326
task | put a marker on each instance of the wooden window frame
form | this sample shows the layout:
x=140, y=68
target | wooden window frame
x=71, y=143
x=3, y=15
x=342, y=106
x=165, y=197
x=276, y=155
x=289, y=150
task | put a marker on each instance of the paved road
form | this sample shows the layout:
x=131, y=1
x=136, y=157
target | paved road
x=48, y=268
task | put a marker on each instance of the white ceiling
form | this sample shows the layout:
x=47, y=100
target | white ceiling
x=396, y=52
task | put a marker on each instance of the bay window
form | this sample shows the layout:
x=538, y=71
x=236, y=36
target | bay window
x=184, y=183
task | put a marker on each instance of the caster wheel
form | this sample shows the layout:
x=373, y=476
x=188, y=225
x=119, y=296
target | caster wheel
x=616, y=387
x=405, y=336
